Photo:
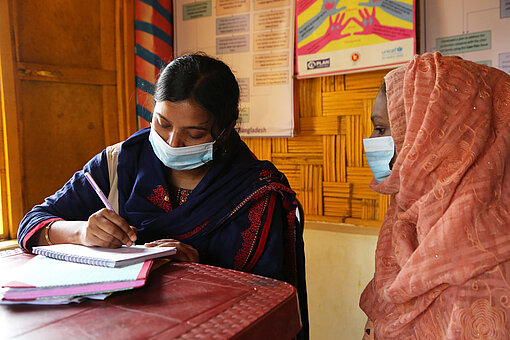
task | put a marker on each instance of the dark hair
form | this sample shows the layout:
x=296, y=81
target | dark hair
x=206, y=81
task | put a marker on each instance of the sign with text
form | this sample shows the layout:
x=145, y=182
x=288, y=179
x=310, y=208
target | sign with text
x=255, y=38
x=477, y=32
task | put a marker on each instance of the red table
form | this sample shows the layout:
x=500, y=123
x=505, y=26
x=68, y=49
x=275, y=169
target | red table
x=179, y=301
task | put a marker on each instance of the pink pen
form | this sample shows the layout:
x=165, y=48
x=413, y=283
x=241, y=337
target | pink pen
x=100, y=194
x=98, y=191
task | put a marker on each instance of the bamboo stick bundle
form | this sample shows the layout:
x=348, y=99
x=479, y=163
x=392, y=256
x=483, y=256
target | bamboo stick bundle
x=305, y=144
x=368, y=209
x=363, y=191
x=384, y=203
x=317, y=188
x=310, y=99
x=341, y=159
x=363, y=80
x=297, y=158
x=345, y=103
x=329, y=160
x=336, y=189
x=279, y=145
x=328, y=84
x=337, y=206
x=320, y=125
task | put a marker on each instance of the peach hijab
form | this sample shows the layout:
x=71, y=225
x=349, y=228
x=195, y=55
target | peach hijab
x=443, y=254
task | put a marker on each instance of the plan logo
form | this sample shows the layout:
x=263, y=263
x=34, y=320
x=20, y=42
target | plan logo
x=319, y=63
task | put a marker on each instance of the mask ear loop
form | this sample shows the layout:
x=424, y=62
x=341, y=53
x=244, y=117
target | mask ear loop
x=220, y=143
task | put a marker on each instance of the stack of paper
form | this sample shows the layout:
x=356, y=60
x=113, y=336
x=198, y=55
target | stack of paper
x=50, y=281
x=46, y=278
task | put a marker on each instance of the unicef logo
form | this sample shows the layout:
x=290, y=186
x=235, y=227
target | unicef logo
x=399, y=49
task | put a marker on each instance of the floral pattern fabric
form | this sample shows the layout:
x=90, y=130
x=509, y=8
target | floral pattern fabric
x=443, y=254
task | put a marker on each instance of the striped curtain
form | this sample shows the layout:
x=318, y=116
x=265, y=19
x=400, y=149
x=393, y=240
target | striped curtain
x=154, y=49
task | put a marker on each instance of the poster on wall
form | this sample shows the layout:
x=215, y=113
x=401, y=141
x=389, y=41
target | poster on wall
x=478, y=31
x=345, y=36
x=255, y=38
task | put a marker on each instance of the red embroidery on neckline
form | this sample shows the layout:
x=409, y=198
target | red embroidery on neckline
x=160, y=198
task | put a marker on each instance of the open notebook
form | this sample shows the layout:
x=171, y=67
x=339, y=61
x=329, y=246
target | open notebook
x=106, y=257
x=47, y=278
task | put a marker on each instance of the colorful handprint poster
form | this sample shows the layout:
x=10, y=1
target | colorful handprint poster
x=344, y=36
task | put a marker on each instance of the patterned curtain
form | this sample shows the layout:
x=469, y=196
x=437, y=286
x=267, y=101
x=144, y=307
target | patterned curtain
x=154, y=49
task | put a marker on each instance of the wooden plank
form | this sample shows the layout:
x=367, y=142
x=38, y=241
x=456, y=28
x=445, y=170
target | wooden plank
x=66, y=33
x=110, y=119
x=107, y=32
x=58, y=112
x=341, y=103
x=66, y=74
x=321, y=125
x=12, y=209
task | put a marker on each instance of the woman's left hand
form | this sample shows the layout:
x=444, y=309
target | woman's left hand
x=184, y=252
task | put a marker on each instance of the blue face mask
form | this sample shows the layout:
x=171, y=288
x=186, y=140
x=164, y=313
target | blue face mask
x=379, y=151
x=183, y=158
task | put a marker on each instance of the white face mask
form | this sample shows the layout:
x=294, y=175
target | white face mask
x=183, y=158
x=379, y=151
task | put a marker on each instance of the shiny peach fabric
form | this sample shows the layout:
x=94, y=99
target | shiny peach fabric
x=443, y=254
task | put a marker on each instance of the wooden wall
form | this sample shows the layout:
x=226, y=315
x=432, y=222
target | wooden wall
x=325, y=162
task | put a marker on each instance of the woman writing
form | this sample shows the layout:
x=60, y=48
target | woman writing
x=187, y=181
x=443, y=254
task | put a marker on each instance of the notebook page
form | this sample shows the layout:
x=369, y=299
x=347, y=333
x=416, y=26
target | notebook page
x=43, y=271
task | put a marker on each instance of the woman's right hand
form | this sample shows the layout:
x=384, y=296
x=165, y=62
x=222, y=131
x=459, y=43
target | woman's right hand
x=107, y=229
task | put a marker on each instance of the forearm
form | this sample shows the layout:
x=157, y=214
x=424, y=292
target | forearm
x=59, y=232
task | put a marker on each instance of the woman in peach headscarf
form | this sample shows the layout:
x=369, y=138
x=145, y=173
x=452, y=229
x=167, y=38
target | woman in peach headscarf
x=443, y=254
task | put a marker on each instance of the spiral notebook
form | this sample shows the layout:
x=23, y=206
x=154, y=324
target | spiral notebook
x=105, y=257
x=46, y=278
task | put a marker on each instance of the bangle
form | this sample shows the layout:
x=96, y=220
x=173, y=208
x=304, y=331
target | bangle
x=47, y=233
